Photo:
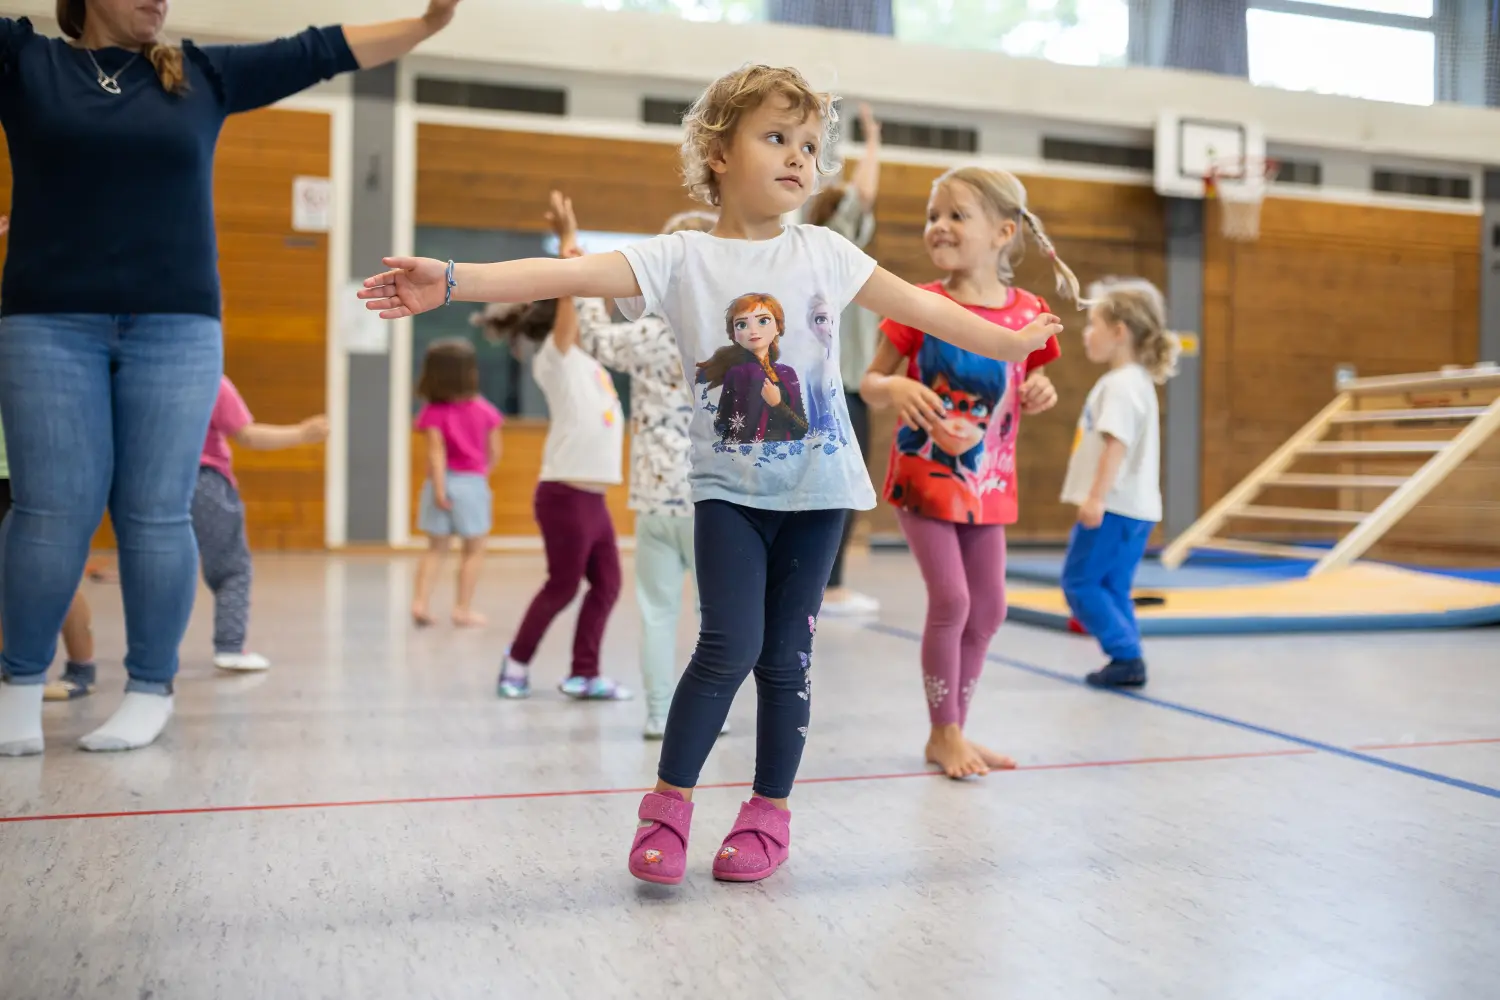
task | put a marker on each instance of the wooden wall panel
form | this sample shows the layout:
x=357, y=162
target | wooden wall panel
x=488, y=179
x=1389, y=291
x=1100, y=230
x=515, y=479
x=485, y=179
x=275, y=313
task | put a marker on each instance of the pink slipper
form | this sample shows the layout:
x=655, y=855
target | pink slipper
x=659, y=853
x=757, y=845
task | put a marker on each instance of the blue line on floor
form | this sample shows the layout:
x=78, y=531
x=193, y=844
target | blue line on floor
x=1058, y=675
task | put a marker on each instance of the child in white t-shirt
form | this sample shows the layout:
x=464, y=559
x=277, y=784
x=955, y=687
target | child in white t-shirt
x=770, y=486
x=1114, y=475
x=580, y=461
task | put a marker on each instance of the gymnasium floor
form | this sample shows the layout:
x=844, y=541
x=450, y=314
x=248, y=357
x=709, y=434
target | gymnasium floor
x=1286, y=817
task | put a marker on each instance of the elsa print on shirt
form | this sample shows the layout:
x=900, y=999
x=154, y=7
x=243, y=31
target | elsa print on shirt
x=820, y=413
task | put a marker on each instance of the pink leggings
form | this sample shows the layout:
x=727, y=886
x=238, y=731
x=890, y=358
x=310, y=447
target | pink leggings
x=963, y=566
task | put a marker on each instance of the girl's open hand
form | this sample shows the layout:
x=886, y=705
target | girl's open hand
x=1091, y=513
x=916, y=404
x=1040, y=330
x=439, y=13
x=562, y=220
x=1037, y=393
x=413, y=285
x=314, y=429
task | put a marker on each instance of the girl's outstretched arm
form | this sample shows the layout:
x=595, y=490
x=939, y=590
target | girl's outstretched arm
x=274, y=437
x=884, y=294
x=565, y=326
x=377, y=44
x=866, y=179
x=417, y=284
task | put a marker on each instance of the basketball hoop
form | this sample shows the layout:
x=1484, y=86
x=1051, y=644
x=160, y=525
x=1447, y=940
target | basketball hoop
x=1240, y=184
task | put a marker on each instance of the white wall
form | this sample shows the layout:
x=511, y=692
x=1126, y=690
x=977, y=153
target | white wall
x=561, y=36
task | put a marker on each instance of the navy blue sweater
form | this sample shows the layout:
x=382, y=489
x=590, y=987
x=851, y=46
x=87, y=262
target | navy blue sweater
x=112, y=206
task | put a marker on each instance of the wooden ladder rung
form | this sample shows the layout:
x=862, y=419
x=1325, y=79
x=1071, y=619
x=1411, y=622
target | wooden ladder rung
x=1309, y=514
x=1337, y=481
x=1406, y=416
x=1264, y=548
x=1375, y=448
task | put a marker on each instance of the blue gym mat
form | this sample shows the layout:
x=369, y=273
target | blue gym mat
x=1203, y=569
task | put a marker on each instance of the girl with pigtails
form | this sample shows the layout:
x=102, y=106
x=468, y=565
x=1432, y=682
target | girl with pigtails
x=953, y=470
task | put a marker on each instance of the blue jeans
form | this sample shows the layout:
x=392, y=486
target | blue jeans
x=1097, y=577
x=761, y=575
x=103, y=410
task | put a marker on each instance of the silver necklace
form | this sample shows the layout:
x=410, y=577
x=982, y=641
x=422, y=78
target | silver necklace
x=109, y=84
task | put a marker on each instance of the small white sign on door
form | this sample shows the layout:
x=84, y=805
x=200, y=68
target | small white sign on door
x=312, y=204
x=361, y=330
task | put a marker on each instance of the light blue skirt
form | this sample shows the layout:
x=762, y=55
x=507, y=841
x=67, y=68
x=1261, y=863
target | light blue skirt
x=469, y=493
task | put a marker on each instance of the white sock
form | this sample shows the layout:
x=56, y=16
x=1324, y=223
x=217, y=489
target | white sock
x=20, y=719
x=136, y=723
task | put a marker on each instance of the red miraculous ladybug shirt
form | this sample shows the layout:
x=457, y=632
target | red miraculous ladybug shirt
x=965, y=470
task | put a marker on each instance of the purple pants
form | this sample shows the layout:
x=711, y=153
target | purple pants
x=580, y=542
x=963, y=566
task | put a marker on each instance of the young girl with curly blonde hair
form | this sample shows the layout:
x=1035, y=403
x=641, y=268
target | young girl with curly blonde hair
x=769, y=508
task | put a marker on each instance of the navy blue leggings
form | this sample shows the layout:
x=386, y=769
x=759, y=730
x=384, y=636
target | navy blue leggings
x=761, y=575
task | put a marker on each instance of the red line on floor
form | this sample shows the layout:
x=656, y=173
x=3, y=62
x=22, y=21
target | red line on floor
x=580, y=792
x=1430, y=743
x=834, y=779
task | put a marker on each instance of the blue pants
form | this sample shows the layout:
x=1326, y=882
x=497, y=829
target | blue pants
x=1096, y=580
x=103, y=411
x=761, y=575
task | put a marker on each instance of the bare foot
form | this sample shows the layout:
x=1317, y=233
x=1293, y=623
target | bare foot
x=419, y=616
x=995, y=761
x=958, y=758
x=469, y=619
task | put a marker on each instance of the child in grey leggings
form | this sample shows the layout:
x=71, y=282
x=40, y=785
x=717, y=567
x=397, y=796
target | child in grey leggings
x=219, y=518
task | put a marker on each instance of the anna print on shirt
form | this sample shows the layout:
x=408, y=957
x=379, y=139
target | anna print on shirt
x=759, y=398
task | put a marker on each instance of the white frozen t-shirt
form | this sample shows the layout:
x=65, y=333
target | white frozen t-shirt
x=757, y=324
x=1122, y=405
x=585, y=433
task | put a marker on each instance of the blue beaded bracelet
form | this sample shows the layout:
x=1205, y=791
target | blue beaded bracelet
x=452, y=284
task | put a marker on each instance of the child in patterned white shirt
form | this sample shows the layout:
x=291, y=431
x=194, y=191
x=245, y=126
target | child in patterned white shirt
x=661, y=411
x=770, y=487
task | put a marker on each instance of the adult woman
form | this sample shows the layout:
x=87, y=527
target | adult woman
x=110, y=343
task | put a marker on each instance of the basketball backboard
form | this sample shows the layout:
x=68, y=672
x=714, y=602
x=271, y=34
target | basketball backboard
x=1187, y=145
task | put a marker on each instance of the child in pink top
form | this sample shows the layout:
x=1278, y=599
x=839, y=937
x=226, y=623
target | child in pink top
x=219, y=517
x=463, y=444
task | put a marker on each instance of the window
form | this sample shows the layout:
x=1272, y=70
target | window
x=733, y=11
x=1327, y=55
x=1079, y=32
x=1406, y=8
